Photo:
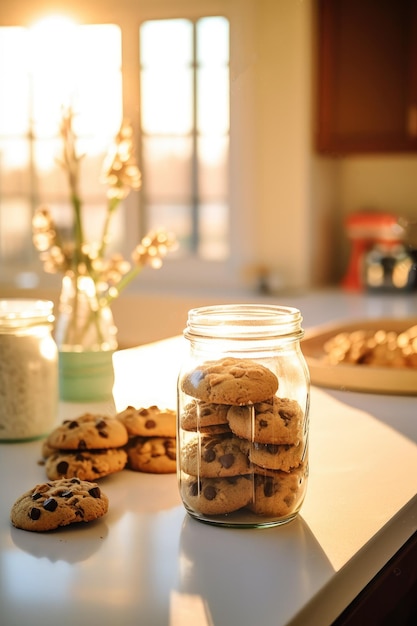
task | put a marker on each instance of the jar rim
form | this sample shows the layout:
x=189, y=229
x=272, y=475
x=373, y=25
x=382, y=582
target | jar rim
x=237, y=321
x=16, y=311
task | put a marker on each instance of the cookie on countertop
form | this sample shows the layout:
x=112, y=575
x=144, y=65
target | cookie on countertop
x=148, y=422
x=276, y=456
x=216, y=496
x=278, y=420
x=153, y=455
x=88, y=432
x=214, y=456
x=58, y=503
x=279, y=494
x=85, y=464
x=230, y=381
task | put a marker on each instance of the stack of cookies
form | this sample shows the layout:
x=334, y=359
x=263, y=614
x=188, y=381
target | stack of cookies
x=152, y=439
x=88, y=447
x=242, y=446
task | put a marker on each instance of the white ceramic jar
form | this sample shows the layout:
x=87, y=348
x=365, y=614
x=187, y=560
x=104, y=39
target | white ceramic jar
x=243, y=404
x=28, y=369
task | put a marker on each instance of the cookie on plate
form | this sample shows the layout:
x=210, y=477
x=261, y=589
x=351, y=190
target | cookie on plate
x=214, y=456
x=216, y=496
x=85, y=464
x=278, y=420
x=153, y=455
x=230, y=381
x=279, y=494
x=88, y=432
x=58, y=503
x=148, y=422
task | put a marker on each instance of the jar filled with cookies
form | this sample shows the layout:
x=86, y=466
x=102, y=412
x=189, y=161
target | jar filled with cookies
x=28, y=369
x=242, y=419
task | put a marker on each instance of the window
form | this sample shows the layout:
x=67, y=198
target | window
x=184, y=130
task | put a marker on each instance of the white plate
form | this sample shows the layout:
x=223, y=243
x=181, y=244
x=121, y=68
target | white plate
x=368, y=378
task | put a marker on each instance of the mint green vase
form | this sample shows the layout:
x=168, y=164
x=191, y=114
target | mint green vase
x=87, y=339
x=86, y=376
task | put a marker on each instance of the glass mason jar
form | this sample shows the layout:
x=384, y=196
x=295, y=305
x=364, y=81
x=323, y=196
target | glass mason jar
x=28, y=370
x=243, y=404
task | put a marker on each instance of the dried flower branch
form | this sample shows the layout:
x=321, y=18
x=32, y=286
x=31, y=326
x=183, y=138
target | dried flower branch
x=82, y=259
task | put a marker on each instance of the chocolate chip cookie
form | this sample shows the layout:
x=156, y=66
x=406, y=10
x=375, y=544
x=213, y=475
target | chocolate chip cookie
x=205, y=417
x=279, y=494
x=88, y=432
x=215, y=456
x=278, y=420
x=276, y=456
x=85, y=464
x=153, y=455
x=58, y=503
x=148, y=422
x=230, y=381
x=216, y=496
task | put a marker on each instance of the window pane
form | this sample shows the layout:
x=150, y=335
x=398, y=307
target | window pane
x=167, y=100
x=14, y=101
x=213, y=231
x=213, y=100
x=14, y=167
x=15, y=241
x=213, y=167
x=175, y=218
x=167, y=167
x=64, y=65
x=166, y=42
x=78, y=66
x=213, y=41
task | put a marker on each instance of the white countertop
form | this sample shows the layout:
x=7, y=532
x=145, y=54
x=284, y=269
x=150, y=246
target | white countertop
x=148, y=563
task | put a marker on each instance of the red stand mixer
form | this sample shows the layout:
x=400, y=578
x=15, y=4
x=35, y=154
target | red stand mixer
x=365, y=229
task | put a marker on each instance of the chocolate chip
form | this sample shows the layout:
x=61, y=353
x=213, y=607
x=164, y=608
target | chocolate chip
x=34, y=513
x=209, y=455
x=268, y=487
x=194, y=488
x=104, y=434
x=36, y=495
x=100, y=424
x=144, y=412
x=82, y=445
x=170, y=450
x=72, y=424
x=210, y=492
x=286, y=417
x=66, y=494
x=50, y=504
x=227, y=460
x=263, y=424
x=76, y=481
x=95, y=492
x=149, y=424
x=62, y=467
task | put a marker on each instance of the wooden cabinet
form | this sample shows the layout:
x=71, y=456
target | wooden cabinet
x=366, y=76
